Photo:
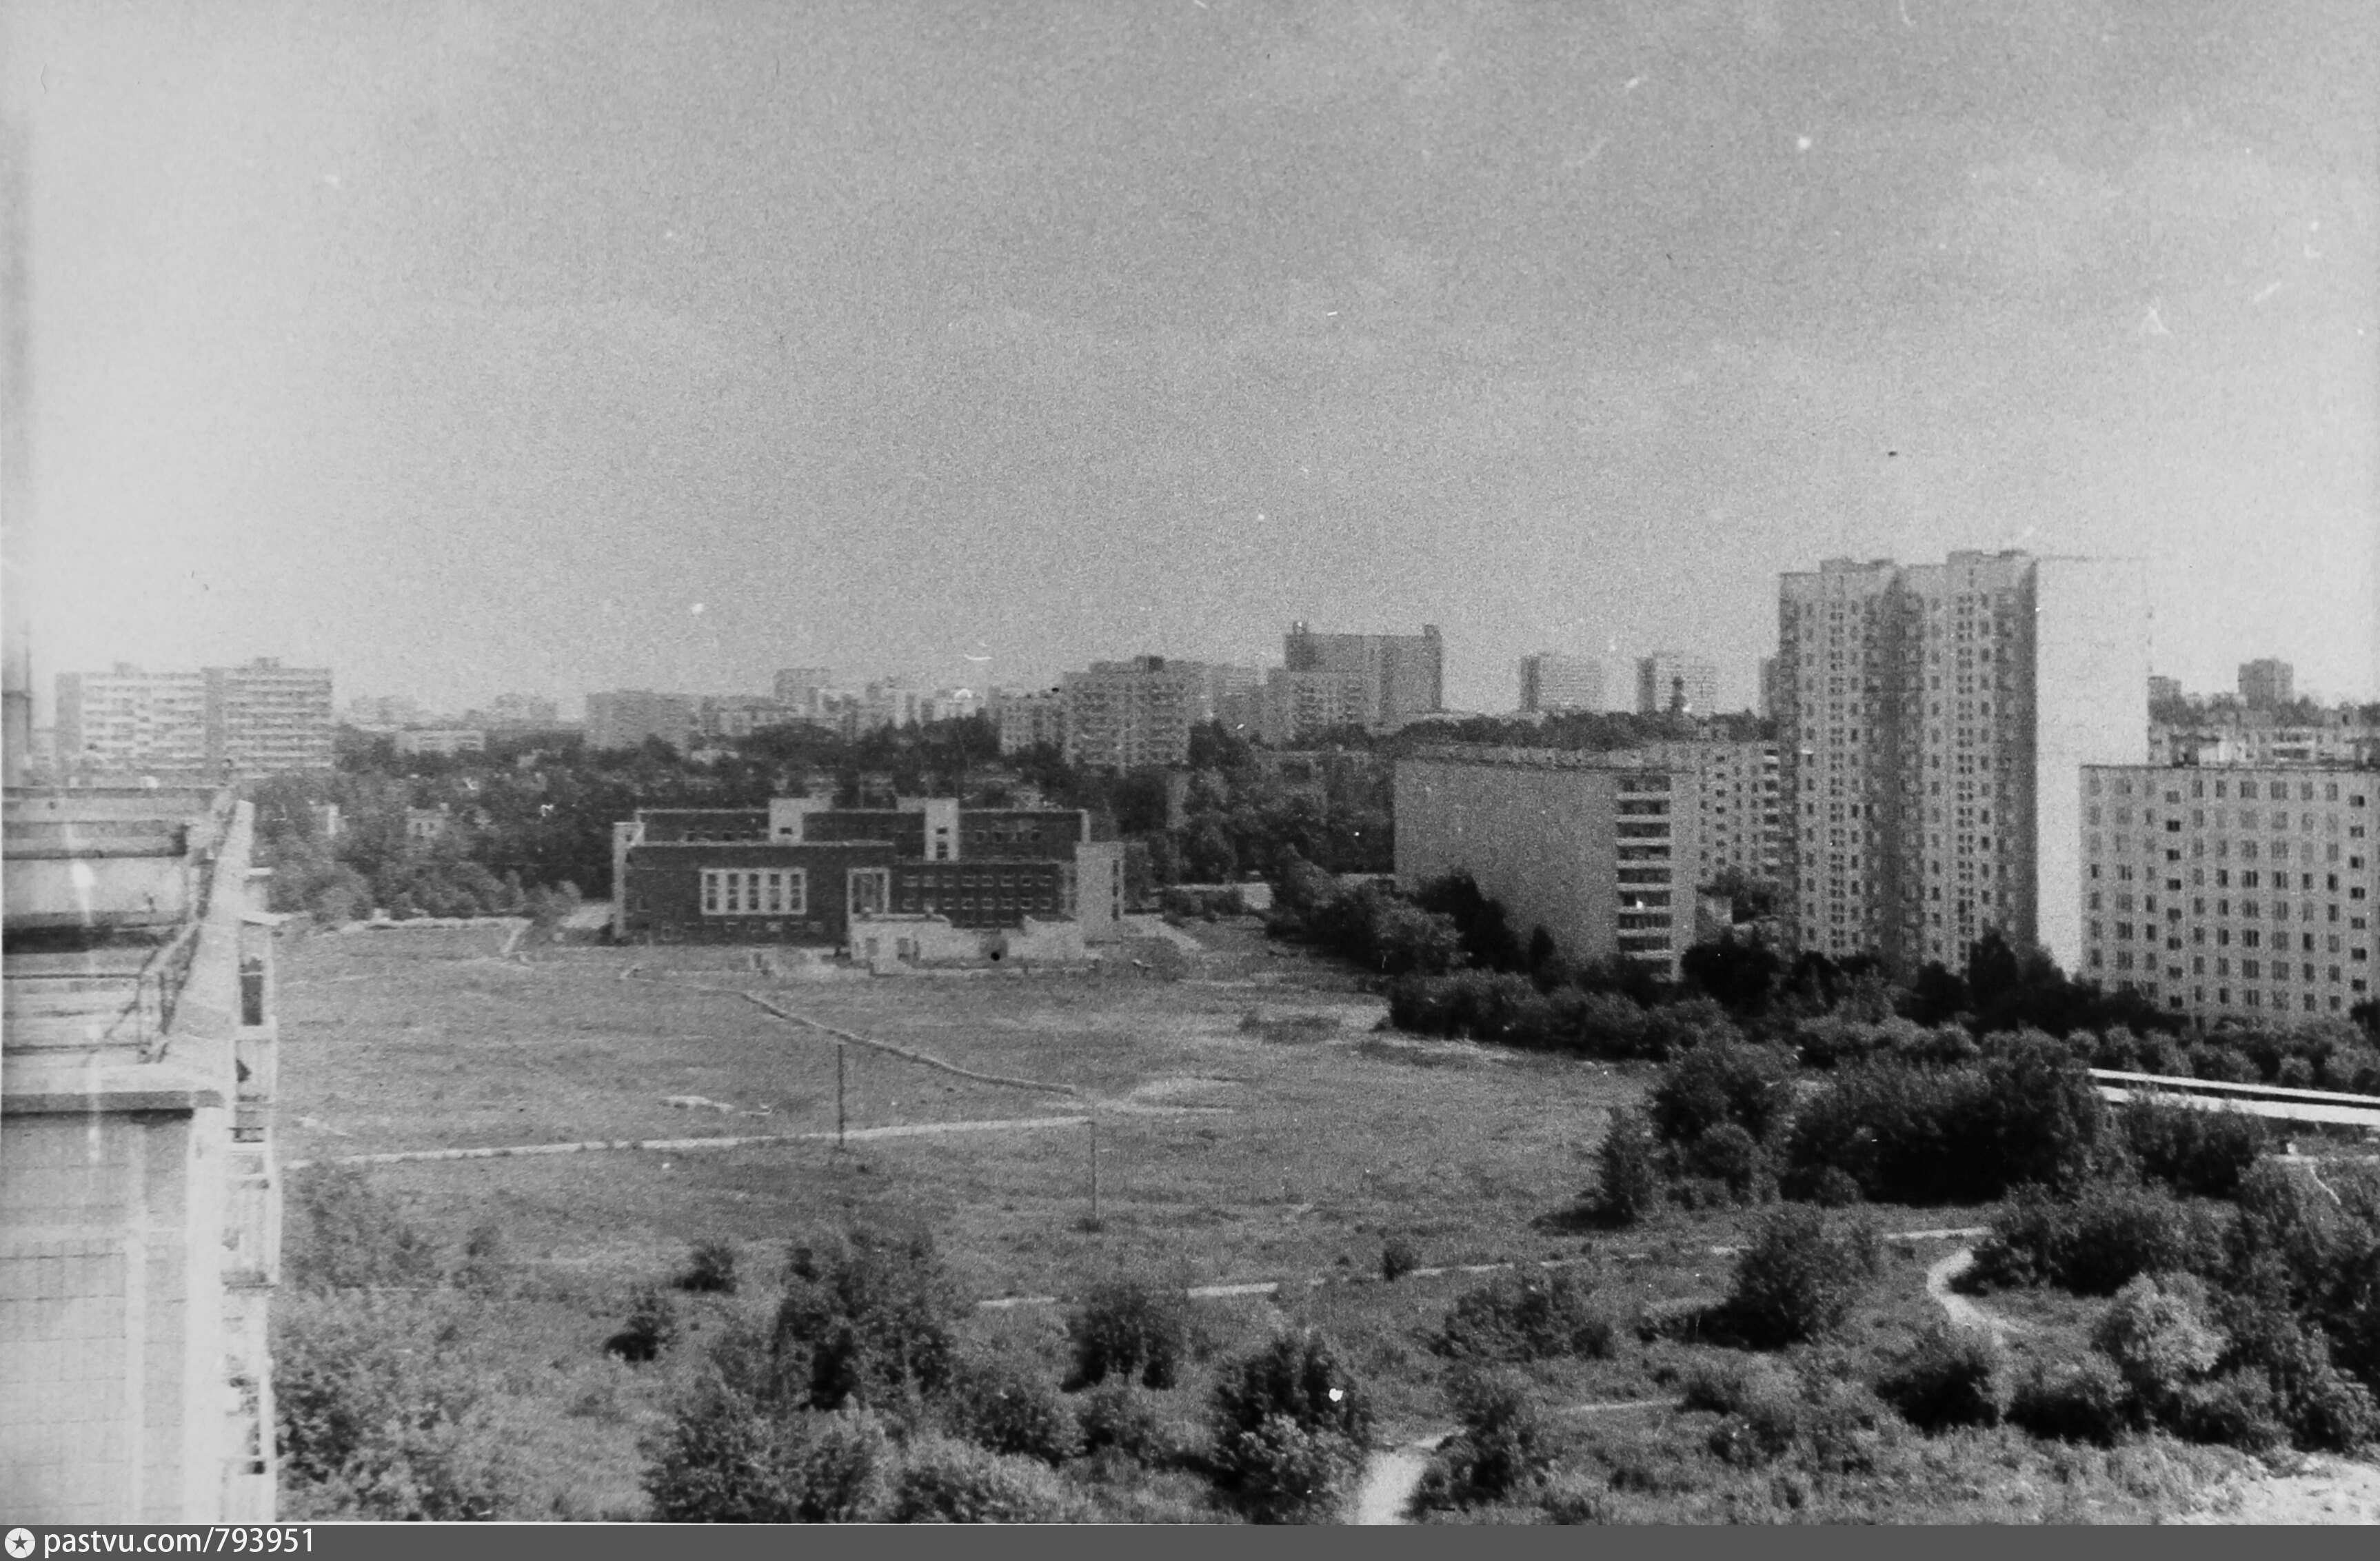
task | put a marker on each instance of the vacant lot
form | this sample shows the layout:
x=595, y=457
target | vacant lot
x=1251, y=1126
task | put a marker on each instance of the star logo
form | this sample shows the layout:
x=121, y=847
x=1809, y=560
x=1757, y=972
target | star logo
x=20, y=1544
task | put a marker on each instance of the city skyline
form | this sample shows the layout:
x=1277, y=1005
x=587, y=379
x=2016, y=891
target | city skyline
x=465, y=350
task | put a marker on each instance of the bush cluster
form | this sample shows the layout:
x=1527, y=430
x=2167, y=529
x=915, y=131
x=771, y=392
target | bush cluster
x=1505, y=1443
x=1526, y=1316
x=1954, y=1377
x=1801, y=1276
x=1916, y=1134
x=1291, y=1421
x=1126, y=1331
x=2096, y=1243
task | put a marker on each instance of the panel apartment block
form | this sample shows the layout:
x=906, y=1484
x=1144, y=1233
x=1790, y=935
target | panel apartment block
x=1128, y=714
x=1556, y=683
x=2233, y=892
x=1404, y=673
x=1933, y=719
x=259, y=719
x=1602, y=855
x=626, y=717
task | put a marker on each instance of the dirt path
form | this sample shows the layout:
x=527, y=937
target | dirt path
x=1391, y=1477
x=1963, y=1313
x=589, y=1146
x=2329, y=1490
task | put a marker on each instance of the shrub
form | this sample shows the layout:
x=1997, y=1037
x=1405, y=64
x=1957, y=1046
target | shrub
x=2082, y=1400
x=2196, y=1152
x=2098, y=1243
x=2158, y=1335
x=868, y=1320
x=1800, y=1277
x=1751, y=1087
x=1731, y=1156
x=652, y=1328
x=1117, y=1415
x=1397, y=1259
x=941, y=1481
x=1952, y=1378
x=487, y=1266
x=1505, y=1444
x=2237, y=1409
x=1127, y=1329
x=837, y=1468
x=1629, y=1186
x=1279, y=1471
x=1290, y=1423
x=2324, y=1408
x=378, y=1412
x=343, y=1233
x=710, y=1268
x=717, y=1460
x=1525, y=1316
x=1007, y=1407
x=729, y=1455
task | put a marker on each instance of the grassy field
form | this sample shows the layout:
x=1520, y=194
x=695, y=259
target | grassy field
x=1251, y=1126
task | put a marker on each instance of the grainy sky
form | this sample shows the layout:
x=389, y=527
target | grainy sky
x=475, y=347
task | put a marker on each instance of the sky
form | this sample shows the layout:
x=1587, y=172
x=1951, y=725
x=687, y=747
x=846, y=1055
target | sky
x=472, y=348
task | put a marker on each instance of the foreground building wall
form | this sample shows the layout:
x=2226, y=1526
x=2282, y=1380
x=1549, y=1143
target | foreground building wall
x=140, y=1204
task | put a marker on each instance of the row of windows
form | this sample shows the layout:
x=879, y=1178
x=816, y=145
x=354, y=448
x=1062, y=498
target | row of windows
x=755, y=892
x=2274, y=790
x=912, y=880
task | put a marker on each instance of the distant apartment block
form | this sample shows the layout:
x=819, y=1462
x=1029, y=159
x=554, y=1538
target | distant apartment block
x=1030, y=720
x=1404, y=676
x=1557, y=684
x=2266, y=683
x=1934, y=720
x=524, y=712
x=1128, y=714
x=626, y=717
x=1301, y=706
x=262, y=718
x=1603, y=854
x=2245, y=892
x=805, y=688
x=1237, y=696
x=1767, y=687
x=385, y=712
x=139, y=1196
x=1667, y=682
x=441, y=740
x=129, y=721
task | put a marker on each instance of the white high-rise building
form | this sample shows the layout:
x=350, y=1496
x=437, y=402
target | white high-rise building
x=1935, y=720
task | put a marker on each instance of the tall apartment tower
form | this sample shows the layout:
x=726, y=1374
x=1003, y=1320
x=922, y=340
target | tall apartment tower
x=2266, y=683
x=1554, y=683
x=1127, y=714
x=1406, y=673
x=1934, y=720
x=1667, y=681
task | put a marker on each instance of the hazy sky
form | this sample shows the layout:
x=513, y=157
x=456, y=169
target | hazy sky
x=493, y=347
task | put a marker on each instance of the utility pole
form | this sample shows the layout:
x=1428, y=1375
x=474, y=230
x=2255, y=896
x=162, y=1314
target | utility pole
x=839, y=1117
x=1094, y=1172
